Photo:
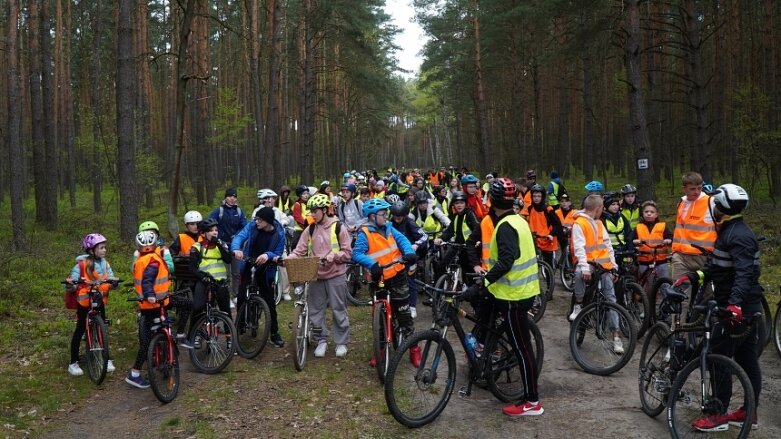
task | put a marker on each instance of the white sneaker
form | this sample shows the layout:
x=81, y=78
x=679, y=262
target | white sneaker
x=110, y=367
x=413, y=312
x=575, y=311
x=286, y=296
x=341, y=350
x=618, y=346
x=233, y=303
x=320, y=349
x=75, y=370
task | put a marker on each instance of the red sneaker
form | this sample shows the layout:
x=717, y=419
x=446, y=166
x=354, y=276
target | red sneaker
x=738, y=417
x=710, y=423
x=373, y=361
x=414, y=355
x=523, y=409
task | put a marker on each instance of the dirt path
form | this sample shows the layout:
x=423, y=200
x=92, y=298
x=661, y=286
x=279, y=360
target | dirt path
x=346, y=400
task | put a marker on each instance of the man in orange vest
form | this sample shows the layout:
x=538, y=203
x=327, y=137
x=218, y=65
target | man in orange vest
x=693, y=226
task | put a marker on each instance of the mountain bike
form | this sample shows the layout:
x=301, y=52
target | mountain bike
x=566, y=268
x=96, y=352
x=545, y=273
x=777, y=328
x=213, y=333
x=303, y=331
x=417, y=395
x=386, y=332
x=356, y=281
x=652, y=281
x=252, y=318
x=630, y=295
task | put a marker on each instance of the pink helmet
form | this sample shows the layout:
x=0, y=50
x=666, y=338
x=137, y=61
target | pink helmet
x=90, y=241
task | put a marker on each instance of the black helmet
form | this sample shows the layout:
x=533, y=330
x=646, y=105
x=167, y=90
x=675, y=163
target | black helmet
x=610, y=198
x=538, y=188
x=458, y=196
x=421, y=197
x=399, y=208
x=628, y=189
x=206, y=224
x=301, y=189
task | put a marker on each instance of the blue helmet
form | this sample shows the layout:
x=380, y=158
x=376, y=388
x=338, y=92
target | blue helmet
x=707, y=188
x=373, y=206
x=468, y=178
x=346, y=175
x=595, y=186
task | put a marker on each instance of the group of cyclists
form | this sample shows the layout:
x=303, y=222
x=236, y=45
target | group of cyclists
x=503, y=224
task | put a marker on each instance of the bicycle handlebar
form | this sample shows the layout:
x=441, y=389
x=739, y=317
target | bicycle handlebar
x=437, y=290
x=94, y=283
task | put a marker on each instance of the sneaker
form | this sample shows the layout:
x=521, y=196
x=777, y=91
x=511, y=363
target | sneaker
x=575, y=311
x=373, y=361
x=523, y=409
x=286, y=296
x=233, y=303
x=138, y=381
x=618, y=346
x=75, y=370
x=341, y=350
x=110, y=366
x=414, y=356
x=276, y=340
x=320, y=349
x=709, y=423
x=738, y=417
x=413, y=312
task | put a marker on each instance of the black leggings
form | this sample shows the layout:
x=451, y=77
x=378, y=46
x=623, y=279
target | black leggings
x=745, y=351
x=199, y=299
x=516, y=327
x=81, y=328
x=183, y=306
x=145, y=320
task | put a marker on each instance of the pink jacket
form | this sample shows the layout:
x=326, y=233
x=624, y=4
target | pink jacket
x=321, y=246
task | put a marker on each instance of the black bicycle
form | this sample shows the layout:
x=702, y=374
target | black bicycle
x=630, y=294
x=252, y=318
x=212, y=334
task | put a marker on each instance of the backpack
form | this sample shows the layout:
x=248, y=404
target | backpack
x=222, y=210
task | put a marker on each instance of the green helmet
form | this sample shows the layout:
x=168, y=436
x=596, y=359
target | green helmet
x=148, y=225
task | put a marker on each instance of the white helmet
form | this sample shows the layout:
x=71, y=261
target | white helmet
x=729, y=198
x=265, y=193
x=193, y=216
x=146, y=241
x=312, y=190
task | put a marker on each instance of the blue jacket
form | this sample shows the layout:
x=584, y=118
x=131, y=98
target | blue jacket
x=246, y=237
x=231, y=222
x=362, y=243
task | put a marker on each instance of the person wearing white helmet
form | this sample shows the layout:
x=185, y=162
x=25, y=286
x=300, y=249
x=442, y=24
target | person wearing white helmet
x=268, y=198
x=183, y=241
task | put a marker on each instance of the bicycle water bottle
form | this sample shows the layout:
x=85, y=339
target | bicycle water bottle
x=471, y=342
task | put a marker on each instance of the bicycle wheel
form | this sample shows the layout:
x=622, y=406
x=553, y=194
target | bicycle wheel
x=252, y=326
x=503, y=372
x=163, y=370
x=538, y=307
x=596, y=352
x=655, y=297
x=767, y=322
x=567, y=274
x=777, y=330
x=213, y=346
x=446, y=282
x=355, y=295
x=276, y=287
x=655, y=376
x=417, y=396
x=694, y=395
x=635, y=302
x=301, y=335
x=545, y=277
x=382, y=348
x=96, y=355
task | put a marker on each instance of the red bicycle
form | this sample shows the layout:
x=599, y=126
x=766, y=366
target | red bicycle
x=386, y=331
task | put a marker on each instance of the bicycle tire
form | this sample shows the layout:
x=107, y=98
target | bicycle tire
x=216, y=348
x=382, y=348
x=446, y=282
x=595, y=355
x=504, y=373
x=538, y=307
x=163, y=371
x=567, y=274
x=655, y=376
x=97, y=354
x=300, y=336
x=655, y=297
x=417, y=396
x=354, y=285
x=767, y=321
x=276, y=287
x=686, y=403
x=636, y=303
x=546, y=279
x=777, y=330
x=253, y=324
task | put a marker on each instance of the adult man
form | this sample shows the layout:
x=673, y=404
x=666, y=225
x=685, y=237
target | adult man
x=693, y=226
x=512, y=281
x=230, y=219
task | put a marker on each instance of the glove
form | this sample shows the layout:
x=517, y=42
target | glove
x=410, y=258
x=471, y=293
x=737, y=313
x=376, y=272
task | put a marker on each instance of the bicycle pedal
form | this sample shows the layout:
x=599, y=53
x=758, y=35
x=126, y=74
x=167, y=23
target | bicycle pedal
x=107, y=322
x=463, y=392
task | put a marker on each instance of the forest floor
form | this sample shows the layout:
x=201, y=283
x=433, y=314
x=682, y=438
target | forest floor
x=266, y=397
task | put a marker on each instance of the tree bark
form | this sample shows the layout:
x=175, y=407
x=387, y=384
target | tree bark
x=96, y=170
x=308, y=98
x=143, y=98
x=125, y=122
x=49, y=219
x=15, y=154
x=588, y=107
x=483, y=139
x=67, y=126
x=271, y=143
x=697, y=98
x=40, y=167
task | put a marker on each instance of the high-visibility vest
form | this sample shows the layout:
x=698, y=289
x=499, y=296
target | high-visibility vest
x=538, y=223
x=691, y=228
x=631, y=215
x=566, y=220
x=82, y=291
x=211, y=262
x=653, y=237
x=430, y=225
x=442, y=205
x=616, y=231
x=334, y=240
x=185, y=243
x=553, y=199
x=162, y=282
x=305, y=215
x=596, y=249
x=461, y=226
x=379, y=195
x=284, y=206
x=486, y=234
x=383, y=251
x=521, y=281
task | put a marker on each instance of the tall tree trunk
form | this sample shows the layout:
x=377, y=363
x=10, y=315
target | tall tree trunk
x=483, y=139
x=697, y=99
x=40, y=167
x=125, y=122
x=49, y=118
x=771, y=91
x=143, y=97
x=273, y=148
x=15, y=154
x=257, y=95
x=588, y=105
x=308, y=98
x=67, y=128
x=96, y=170
x=561, y=158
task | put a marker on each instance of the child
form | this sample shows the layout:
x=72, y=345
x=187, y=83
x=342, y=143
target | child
x=463, y=222
x=617, y=226
x=91, y=266
x=404, y=224
x=183, y=241
x=652, y=232
x=160, y=248
x=208, y=258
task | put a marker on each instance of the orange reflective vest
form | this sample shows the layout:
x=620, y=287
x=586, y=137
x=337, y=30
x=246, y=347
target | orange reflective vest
x=653, y=237
x=162, y=282
x=566, y=220
x=538, y=223
x=486, y=234
x=383, y=251
x=691, y=227
x=82, y=291
x=185, y=243
x=596, y=249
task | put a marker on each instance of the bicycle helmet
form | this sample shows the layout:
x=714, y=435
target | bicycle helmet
x=373, y=206
x=594, y=186
x=206, y=224
x=318, y=201
x=301, y=189
x=90, y=241
x=266, y=193
x=518, y=202
x=730, y=199
x=392, y=199
x=628, y=189
x=458, y=196
x=146, y=241
x=421, y=197
x=531, y=174
x=193, y=216
x=346, y=175
x=399, y=208
x=707, y=188
x=502, y=192
x=349, y=187
x=149, y=225
x=537, y=188
x=609, y=198
x=469, y=179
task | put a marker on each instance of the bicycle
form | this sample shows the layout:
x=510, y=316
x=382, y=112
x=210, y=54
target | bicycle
x=212, y=334
x=545, y=273
x=566, y=267
x=386, y=332
x=590, y=338
x=651, y=280
x=777, y=328
x=630, y=294
x=356, y=280
x=304, y=334
x=252, y=318
x=416, y=396
x=96, y=334
x=163, y=354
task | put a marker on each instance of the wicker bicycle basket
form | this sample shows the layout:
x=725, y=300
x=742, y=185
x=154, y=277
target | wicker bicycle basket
x=302, y=269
